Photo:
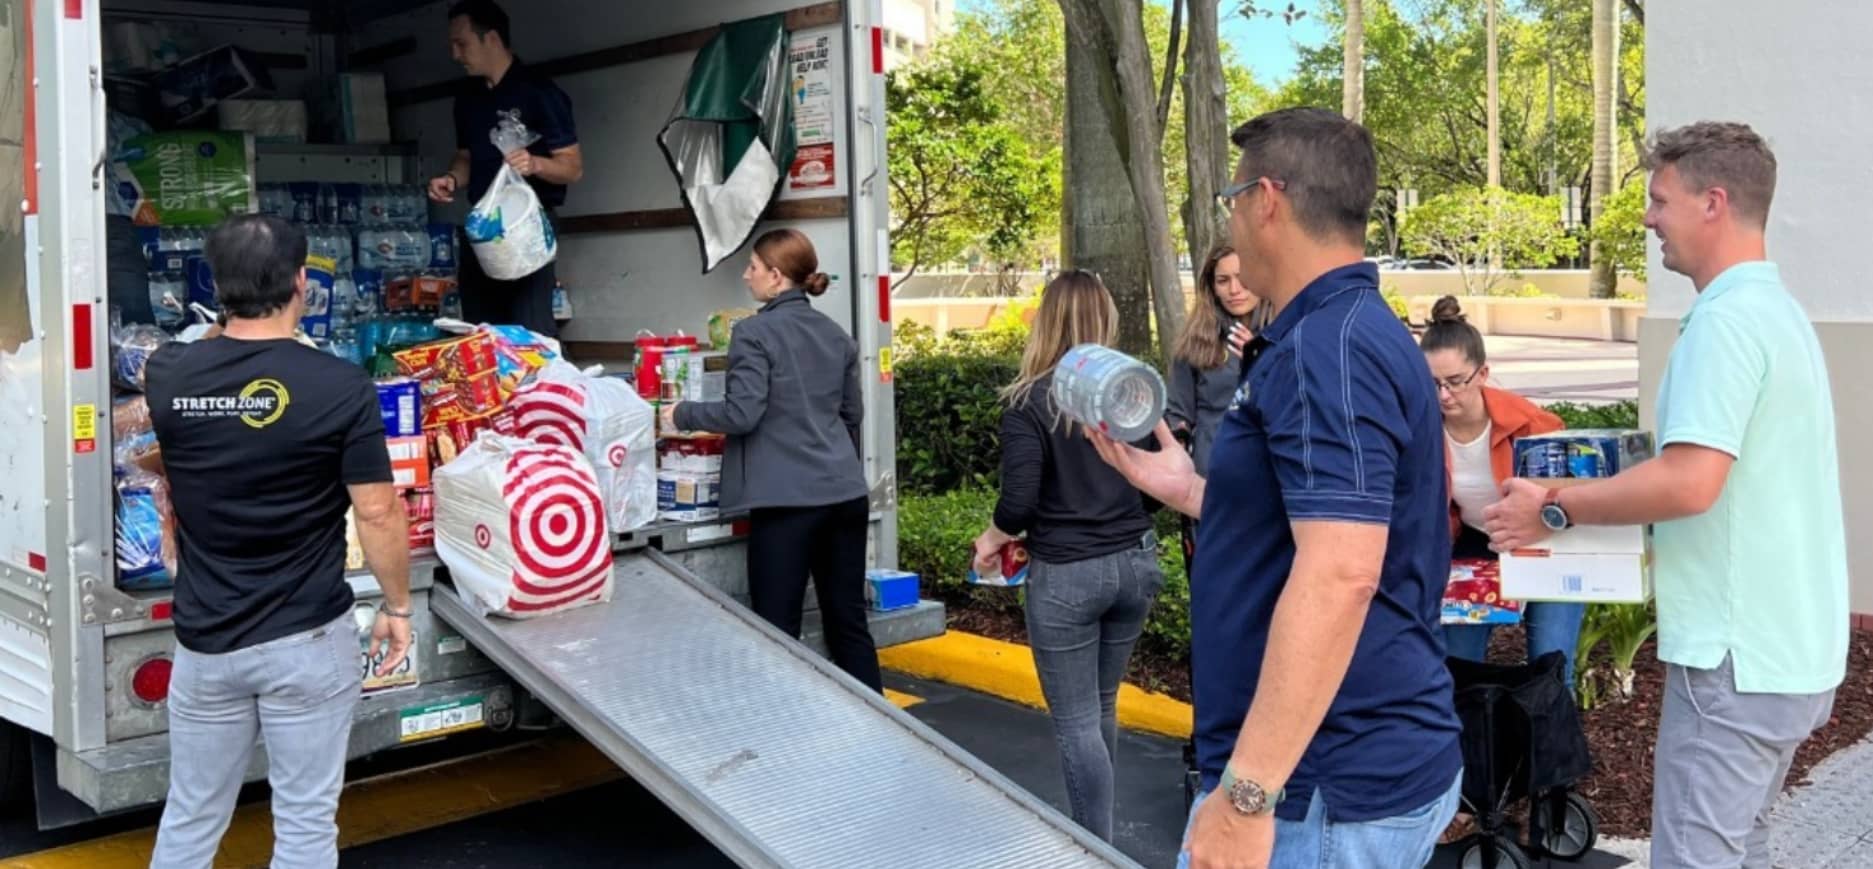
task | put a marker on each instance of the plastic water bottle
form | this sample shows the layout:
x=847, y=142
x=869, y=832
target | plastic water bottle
x=1109, y=392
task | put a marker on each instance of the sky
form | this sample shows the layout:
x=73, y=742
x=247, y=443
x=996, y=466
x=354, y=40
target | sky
x=1267, y=45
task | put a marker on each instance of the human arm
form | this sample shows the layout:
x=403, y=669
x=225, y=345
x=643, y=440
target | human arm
x=442, y=187
x=383, y=532
x=851, y=401
x=1024, y=459
x=1717, y=371
x=745, y=397
x=563, y=166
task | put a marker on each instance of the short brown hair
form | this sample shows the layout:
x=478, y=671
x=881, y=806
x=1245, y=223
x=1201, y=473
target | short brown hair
x=1720, y=154
x=791, y=253
x=1326, y=162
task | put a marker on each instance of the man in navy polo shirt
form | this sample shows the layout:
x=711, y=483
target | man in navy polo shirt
x=481, y=41
x=1324, y=723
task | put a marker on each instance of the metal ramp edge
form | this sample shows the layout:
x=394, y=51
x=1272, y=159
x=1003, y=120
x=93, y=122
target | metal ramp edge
x=768, y=750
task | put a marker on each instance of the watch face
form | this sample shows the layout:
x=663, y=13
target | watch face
x=1554, y=517
x=1248, y=797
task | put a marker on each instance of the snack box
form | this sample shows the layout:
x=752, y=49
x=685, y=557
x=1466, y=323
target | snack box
x=1581, y=453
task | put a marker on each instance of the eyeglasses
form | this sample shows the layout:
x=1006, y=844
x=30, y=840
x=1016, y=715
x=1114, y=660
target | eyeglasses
x=1453, y=384
x=1225, y=201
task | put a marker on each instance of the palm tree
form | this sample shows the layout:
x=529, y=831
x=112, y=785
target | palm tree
x=1600, y=180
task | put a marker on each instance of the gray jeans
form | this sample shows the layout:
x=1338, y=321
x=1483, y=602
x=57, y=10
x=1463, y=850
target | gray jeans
x=1083, y=619
x=296, y=692
x=1721, y=758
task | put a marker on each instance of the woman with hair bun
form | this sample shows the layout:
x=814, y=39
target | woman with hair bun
x=791, y=413
x=1481, y=424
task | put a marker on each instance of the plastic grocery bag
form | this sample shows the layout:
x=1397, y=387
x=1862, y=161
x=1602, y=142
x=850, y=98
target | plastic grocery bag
x=521, y=526
x=131, y=348
x=508, y=228
x=603, y=418
x=146, y=533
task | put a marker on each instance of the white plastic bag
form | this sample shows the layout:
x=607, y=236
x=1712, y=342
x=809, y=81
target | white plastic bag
x=508, y=228
x=522, y=527
x=603, y=418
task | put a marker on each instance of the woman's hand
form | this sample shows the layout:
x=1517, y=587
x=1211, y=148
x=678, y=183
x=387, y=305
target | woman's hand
x=1239, y=337
x=666, y=418
x=988, y=551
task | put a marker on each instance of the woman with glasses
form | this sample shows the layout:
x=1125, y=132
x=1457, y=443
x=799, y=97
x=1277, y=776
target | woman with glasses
x=1481, y=424
x=1223, y=317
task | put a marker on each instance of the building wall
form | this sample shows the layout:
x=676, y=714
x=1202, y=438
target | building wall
x=913, y=27
x=1799, y=76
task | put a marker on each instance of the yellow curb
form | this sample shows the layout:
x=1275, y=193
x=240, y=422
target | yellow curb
x=378, y=808
x=1006, y=670
x=902, y=700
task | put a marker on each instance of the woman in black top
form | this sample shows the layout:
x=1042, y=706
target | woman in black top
x=792, y=414
x=1207, y=360
x=1093, y=570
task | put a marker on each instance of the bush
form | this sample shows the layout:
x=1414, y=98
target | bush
x=1624, y=414
x=949, y=407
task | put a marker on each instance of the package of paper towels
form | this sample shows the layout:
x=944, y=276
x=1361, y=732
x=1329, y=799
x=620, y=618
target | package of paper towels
x=268, y=120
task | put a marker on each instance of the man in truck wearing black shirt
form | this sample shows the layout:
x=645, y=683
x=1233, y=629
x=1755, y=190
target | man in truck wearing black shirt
x=481, y=41
x=267, y=442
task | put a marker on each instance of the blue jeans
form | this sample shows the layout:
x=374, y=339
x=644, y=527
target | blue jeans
x=297, y=693
x=1083, y=619
x=1405, y=840
x=1551, y=627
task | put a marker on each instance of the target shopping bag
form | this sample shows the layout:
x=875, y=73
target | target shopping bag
x=603, y=418
x=522, y=527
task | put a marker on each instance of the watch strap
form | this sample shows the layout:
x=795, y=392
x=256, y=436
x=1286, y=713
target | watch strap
x=1228, y=785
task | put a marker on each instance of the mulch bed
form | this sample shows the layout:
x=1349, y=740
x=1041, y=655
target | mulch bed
x=1621, y=733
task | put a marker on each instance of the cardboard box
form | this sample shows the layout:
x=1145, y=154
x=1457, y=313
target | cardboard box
x=1604, y=577
x=409, y=462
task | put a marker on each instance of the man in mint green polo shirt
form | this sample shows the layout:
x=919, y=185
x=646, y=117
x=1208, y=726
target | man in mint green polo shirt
x=1744, y=498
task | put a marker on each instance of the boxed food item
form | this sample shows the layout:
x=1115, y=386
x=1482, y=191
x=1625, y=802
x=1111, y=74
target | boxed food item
x=267, y=120
x=722, y=324
x=459, y=377
x=186, y=177
x=520, y=352
x=521, y=526
x=1581, y=453
x=409, y=461
x=1474, y=595
x=688, y=497
x=1577, y=577
x=192, y=87
x=400, y=401
x=419, y=506
x=448, y=441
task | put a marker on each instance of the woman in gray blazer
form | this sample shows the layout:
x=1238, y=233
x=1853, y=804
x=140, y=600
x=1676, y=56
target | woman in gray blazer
x=791, y=414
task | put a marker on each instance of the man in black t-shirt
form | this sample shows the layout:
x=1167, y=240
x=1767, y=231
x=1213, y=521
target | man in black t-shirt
x=267, y=443
x=479, y=40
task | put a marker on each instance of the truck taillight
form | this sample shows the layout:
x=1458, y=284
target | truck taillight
x=151, y=680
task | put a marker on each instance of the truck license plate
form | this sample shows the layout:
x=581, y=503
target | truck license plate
x=404, y=676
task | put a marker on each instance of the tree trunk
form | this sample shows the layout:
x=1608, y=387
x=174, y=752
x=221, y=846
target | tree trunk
x=1353, y=74
x=1114, y=30
x=1206, y=126
x=1603, y=282
x=1101, y=228
x=1494, y=107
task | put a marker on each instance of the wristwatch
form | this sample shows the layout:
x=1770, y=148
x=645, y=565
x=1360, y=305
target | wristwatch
x=1246, y=796
x=1552, y=515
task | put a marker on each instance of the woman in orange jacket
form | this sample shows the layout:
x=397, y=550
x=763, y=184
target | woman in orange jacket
x=1481, y=424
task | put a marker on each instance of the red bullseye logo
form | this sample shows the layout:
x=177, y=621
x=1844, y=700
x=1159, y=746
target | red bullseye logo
x=562, y=545
x=483, y=537
x=550, y=413
x=616, y=455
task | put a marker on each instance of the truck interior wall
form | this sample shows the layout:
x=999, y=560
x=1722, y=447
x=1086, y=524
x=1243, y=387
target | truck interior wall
x=618, y=282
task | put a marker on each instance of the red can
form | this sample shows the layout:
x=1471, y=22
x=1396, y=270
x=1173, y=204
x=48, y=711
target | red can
x=650, y=366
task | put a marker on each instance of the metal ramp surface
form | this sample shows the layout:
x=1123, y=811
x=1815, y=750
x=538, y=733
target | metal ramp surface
x=773, y=754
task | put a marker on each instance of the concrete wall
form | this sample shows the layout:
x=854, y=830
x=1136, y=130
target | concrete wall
x=1565, y=283
x=1707, y=61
